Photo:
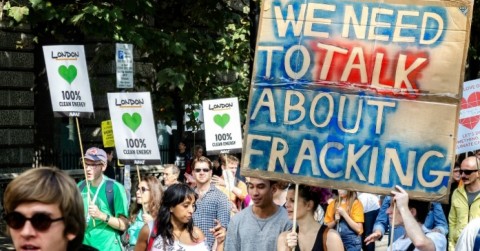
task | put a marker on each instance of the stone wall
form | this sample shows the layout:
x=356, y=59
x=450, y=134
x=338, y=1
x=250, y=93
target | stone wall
x=17, y=81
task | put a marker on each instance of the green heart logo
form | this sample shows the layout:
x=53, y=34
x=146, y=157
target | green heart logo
x=221, y=120
x=196, y=114
x=69, y=73
x=132, y=121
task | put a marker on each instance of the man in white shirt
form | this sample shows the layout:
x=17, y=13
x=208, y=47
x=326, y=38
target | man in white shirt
x=411, y=214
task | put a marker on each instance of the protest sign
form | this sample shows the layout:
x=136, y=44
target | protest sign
x=468, y=138
x=223, y=132
x=124, y=63
x=197, y=115
x=358, y=95
x=134, y=128
x=68, y=80
x=107, y=134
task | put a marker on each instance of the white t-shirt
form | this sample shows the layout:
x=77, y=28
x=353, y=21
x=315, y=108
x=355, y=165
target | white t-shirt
x=369, y=201
x=402, y=243
x=158, y=245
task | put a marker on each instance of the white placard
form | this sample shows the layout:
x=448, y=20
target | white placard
x=468, y=138
x=124, y=62
x=197, y=114
x=68, y=80
x=134, y=127
x=223, y=132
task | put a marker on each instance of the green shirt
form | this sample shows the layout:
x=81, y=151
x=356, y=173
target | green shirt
x=102, y=236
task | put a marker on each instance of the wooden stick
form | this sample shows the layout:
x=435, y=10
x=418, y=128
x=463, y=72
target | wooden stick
x=227, y=179
x=141, y=192
x=83, y=164
x=392, y=224
x=295, y=203
x=337, y=224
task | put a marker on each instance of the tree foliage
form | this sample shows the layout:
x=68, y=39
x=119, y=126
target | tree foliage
x=196, y=49
x=191, y=49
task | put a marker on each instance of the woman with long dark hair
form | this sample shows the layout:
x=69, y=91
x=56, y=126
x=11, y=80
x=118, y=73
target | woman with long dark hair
x=173, y=229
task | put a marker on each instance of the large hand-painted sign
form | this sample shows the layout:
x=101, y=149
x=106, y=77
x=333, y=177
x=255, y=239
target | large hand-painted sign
x=360, y=95
x=468, y=129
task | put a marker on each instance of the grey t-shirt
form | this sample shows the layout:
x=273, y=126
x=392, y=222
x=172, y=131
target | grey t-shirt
x=248, y=232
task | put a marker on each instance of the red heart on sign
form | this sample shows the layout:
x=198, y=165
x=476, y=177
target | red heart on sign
x=473, y=101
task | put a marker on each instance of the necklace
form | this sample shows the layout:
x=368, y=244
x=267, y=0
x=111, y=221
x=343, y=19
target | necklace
x=178, y=236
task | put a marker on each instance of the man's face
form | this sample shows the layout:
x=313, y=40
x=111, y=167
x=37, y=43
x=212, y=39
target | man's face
x=469, y=172
x=199, y=153
x=202, y=173
x=181, y=147
x=168, y=177
x=398, y=216
x=94, y=169
x=232, y=166
x=28, y=237
x=261, y=192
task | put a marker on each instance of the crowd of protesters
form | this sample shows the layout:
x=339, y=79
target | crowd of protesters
x=205, y=204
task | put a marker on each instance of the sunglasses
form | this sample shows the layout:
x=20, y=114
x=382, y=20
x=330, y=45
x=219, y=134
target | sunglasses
x=205, y=170
x=467, y=172
x=144, y=189
x=39, y=221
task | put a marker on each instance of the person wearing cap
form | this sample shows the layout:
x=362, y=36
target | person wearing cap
x=105, y=221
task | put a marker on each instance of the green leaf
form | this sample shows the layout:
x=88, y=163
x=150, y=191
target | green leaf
x=18, y=13
x=35, y=3
x=77, y=18
x=7, y=6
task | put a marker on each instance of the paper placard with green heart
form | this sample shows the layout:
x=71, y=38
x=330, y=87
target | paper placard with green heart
x=221, y=120
x=132, y=121
x=68, y=73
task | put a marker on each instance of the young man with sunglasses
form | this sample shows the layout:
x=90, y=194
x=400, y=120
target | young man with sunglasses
x=44, y=211
x=106, y=218
x=212, y=204
x=465, y=205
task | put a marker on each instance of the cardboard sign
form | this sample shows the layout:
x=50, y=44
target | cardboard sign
x=124, y=62
x=468, y=129
x=223, y=132
x=134, y=128
x=68, y=80
x=198, y=116
x=107, y=134
x=358, y=95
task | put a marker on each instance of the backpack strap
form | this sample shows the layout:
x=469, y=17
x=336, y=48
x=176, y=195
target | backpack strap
x=411, y=247
x=82, y=185
x=152, y=234
x=110, y=195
